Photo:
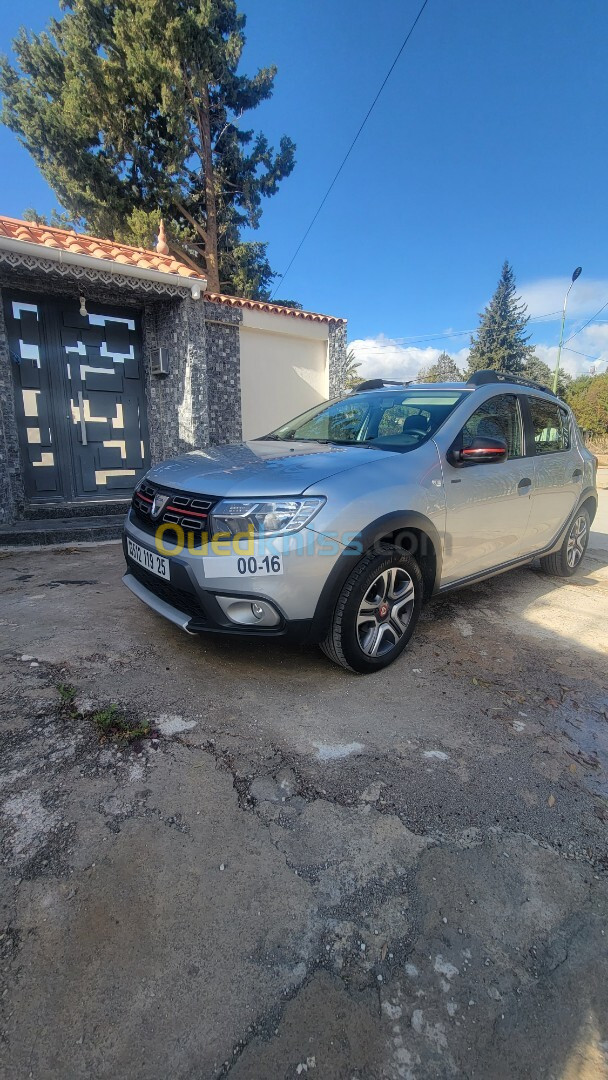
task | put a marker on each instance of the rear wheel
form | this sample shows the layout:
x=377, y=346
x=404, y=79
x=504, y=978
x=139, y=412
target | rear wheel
x=564, y=563
x=376, y=612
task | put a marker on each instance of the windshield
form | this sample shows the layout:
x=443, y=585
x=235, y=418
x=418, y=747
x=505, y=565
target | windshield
x=393, y=420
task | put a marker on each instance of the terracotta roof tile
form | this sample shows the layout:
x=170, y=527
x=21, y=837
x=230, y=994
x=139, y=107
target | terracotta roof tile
x=80, y=244
x=272, y=309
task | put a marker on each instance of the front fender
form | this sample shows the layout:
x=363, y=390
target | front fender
x=413, y=531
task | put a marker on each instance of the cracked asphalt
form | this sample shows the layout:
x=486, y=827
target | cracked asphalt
x=304, y=873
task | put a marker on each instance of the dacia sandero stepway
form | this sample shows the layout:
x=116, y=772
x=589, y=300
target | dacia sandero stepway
x=335, y=527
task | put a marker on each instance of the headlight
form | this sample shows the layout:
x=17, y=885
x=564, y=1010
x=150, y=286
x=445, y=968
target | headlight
x=271, y=517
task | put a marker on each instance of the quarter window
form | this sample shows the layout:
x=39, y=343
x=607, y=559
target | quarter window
x=551, y=426
x=498, y=418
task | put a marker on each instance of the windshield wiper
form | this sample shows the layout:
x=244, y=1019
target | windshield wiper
x=349, y=442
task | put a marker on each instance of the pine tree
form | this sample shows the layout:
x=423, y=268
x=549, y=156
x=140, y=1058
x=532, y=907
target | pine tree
x=500, y=341
x=132, y=111
x=443, y=370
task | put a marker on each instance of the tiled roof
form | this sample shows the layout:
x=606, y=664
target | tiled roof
x=81, y=244
x=94, y=247
x=273, y=309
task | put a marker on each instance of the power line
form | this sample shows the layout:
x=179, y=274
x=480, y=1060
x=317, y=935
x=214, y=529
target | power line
x=406, y=342
x=577, y=353
x=350, y=149
x=592, y=319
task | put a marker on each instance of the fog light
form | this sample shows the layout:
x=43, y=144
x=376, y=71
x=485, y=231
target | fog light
x=245, y=612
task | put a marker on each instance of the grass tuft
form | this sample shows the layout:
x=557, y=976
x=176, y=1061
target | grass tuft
x=67, y=693
x=113, y=723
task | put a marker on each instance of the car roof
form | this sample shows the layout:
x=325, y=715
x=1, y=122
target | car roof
x=478, y=380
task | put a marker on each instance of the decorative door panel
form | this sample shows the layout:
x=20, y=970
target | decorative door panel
x=36, y=425
x=90, y=384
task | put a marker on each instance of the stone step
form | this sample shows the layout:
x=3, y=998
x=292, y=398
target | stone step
x=64, y=510
x=61, y=531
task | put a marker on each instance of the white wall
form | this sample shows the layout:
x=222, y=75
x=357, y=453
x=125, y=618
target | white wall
x=284, y=369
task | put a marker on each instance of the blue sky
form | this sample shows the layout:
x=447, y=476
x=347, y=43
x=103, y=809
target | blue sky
x=489, y=142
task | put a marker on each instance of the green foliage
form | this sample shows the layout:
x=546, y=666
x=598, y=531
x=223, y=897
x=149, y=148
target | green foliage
x=443, y=370
x=67, y=693
x=56, y=220
x=112, y=723
x=351, y=379
x=588, y=398
x=132, y=110
x=540, y=372
x=500, y=341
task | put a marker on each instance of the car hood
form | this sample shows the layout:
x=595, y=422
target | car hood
x=261, y=467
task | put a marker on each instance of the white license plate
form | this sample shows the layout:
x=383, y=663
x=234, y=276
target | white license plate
x=156, y=564
x=243, y=566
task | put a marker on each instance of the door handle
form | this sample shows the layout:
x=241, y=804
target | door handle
x=524, y=483
x=577, y=473
x=83, y=426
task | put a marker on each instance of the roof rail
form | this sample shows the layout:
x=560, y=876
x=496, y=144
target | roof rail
x=377, y=384
x=489, y=375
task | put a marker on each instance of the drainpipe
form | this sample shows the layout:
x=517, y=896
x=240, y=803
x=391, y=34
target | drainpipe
x=196, y=286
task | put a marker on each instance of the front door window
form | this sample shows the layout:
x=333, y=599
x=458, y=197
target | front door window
x=498, y=418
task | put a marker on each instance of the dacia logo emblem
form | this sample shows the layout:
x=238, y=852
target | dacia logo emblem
x=158, y=505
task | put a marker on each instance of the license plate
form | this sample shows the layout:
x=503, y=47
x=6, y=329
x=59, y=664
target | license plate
x=243, y=566
x=156, y=564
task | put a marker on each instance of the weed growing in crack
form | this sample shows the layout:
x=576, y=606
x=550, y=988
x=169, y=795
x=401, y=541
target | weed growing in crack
x=113, y=723
x=67, y=693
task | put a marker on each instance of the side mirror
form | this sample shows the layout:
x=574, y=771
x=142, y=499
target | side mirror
x=482, y=451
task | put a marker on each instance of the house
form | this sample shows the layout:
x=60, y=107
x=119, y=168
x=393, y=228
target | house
x=113, y=358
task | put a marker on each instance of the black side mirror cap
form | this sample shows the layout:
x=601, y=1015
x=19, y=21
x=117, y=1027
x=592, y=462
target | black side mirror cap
x=482, y=451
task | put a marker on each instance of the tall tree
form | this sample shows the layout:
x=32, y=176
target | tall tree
x=540, y=372
x=501, y=341
x=588, y=398
x=443, y=370
x=132, y=111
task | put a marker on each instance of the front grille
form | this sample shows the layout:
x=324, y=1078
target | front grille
x=184, y=601
x=189, y=510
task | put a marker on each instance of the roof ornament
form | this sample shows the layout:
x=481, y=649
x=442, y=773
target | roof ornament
x=161, y=244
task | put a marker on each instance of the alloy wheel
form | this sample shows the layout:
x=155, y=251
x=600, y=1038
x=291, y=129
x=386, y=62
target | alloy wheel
x=385, y=611
x=577, y=539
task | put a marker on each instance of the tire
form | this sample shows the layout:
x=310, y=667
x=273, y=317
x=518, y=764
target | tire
x=363, y=637
x=566, y=561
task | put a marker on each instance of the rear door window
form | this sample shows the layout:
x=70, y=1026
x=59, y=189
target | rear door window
x=551, y=426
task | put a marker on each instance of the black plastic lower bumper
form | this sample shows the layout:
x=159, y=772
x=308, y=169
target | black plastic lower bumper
x=205, y=614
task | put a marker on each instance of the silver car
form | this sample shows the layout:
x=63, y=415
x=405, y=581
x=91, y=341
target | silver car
x=338, y=525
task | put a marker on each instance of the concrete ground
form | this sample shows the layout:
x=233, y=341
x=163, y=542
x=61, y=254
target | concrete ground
x=306, y=872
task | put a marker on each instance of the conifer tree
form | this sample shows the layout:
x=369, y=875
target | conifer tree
x=501, y=341
x=132, y=110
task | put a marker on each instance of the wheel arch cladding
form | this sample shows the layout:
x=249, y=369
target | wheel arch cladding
x=409, y=530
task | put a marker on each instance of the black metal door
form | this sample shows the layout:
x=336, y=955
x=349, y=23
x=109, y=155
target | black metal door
x=79, y=397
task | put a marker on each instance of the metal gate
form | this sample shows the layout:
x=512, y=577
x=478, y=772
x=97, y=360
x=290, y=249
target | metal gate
x=79, y=395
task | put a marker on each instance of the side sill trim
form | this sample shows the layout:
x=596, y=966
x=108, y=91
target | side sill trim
x=522, y=560
x=492, y=572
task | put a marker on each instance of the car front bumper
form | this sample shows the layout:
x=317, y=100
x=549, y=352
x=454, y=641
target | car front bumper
x=199, y=605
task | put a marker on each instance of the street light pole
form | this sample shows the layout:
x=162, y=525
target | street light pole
x=577, y=273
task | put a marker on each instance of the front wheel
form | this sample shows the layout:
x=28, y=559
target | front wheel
x=376, y=612
x=564, y=562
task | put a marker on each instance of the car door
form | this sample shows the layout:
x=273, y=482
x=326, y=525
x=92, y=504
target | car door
x=488, y=505
x=558, y=469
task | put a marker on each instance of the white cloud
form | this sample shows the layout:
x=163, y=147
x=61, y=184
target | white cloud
x=547, y=295
x=382, y=357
